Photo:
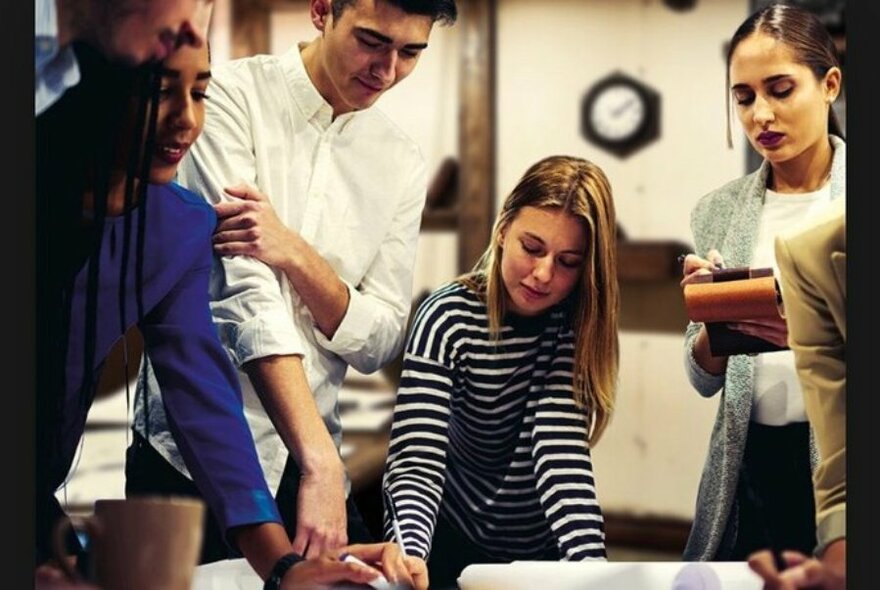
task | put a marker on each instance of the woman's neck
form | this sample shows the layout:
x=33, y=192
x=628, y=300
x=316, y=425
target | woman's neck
x=804, y=174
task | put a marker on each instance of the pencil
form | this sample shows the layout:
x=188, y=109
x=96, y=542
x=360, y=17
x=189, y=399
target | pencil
x=395, y=522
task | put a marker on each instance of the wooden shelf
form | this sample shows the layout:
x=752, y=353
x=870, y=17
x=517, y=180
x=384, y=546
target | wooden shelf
x=441, y=219
x=649, y=260
x=650, y=296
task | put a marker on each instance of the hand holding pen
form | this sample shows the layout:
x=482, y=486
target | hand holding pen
x=398, y=570
x=395, y=522
x=401, y=570
x=692, y=265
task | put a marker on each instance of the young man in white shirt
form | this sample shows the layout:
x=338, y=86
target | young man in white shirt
x=131, y=32
x=319, y=198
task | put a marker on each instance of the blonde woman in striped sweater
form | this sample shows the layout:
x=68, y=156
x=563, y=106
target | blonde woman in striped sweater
x=509, y=376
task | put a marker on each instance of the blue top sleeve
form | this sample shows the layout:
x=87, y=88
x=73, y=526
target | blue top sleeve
x=200, y=387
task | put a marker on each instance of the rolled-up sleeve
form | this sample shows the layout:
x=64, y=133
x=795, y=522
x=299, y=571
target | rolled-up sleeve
x=372, y=331
x=252, y=315
x=820, y=357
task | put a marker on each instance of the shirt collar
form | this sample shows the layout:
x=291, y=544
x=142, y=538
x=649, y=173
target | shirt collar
x=45, y=32
x=306, y=95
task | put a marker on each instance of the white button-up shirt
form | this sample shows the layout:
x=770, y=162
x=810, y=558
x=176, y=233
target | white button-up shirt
x=55, y=69
x=353, y=187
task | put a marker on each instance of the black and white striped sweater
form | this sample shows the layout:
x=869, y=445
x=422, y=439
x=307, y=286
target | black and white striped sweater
x=487, y=432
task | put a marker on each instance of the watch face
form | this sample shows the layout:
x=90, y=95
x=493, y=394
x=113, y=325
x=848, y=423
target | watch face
x=617, y=112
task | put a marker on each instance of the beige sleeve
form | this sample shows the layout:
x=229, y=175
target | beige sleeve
x=820, y=348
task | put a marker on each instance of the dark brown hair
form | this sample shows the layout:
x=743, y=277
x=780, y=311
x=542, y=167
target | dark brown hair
x=443, y=11
x=803, y=33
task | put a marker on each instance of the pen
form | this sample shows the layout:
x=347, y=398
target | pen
x=395, y=523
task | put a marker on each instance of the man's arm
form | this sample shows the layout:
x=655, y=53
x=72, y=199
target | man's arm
x=820, y=357
x=281, y=384
x=254, y=322
x=251, y=227
x=363, y=323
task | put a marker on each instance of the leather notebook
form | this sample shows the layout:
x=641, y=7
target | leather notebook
x=730, y=295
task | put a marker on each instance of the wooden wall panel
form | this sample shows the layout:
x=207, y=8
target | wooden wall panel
x=476, y=195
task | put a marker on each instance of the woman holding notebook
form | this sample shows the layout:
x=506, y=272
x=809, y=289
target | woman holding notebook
x=783, y=75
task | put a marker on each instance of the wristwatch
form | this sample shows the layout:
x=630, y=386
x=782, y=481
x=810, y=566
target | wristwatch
x=284, y=563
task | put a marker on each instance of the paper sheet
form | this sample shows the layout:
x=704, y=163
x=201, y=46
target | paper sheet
x=600, y=575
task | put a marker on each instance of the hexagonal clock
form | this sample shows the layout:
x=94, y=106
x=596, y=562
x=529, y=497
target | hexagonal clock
x=620, y=114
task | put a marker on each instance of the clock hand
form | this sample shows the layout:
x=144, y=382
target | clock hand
x=622, y=108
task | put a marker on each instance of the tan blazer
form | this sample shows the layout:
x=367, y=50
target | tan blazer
x=812, y=264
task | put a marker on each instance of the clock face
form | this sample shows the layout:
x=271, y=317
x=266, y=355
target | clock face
x=618, y=112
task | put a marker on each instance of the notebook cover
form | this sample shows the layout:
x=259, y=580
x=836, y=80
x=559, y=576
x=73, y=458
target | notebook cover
x=731, y=295
x=724, y=342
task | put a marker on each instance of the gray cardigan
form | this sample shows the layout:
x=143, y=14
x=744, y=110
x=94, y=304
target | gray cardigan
x=727, y=219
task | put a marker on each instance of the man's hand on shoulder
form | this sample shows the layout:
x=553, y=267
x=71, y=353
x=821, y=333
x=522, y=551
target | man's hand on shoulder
x=248, y=225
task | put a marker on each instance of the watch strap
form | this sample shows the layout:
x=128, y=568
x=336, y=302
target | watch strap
x=284, y=563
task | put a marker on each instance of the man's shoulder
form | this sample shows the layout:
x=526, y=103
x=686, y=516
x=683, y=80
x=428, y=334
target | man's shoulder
x=375, y=124
x=244, y=73
x=250, y=63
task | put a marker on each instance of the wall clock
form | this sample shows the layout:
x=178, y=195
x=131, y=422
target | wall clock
x=620, y=114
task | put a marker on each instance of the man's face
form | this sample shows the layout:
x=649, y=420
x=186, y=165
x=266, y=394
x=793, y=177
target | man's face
x=370, y=48
x=137, y=31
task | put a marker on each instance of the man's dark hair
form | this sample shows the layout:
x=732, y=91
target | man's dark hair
x=442, y=11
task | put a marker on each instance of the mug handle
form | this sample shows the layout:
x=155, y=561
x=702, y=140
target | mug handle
x=59, y=532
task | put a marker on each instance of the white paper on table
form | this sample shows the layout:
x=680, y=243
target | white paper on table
x=587, y=575
x=237, y=574
x=229, y=574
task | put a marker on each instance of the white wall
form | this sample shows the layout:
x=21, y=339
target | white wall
x=549, y=53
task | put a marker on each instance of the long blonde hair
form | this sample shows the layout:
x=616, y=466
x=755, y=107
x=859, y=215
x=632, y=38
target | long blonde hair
x=579, y=188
